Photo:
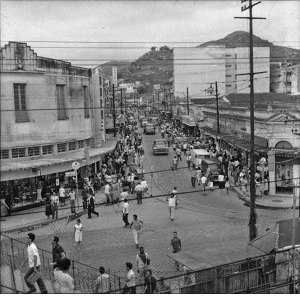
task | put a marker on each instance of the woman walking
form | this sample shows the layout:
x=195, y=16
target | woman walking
x=78, y=232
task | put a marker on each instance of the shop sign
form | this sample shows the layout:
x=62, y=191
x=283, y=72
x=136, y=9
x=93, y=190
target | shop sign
x=72, y=173
x=57, y=182
x=75, y=165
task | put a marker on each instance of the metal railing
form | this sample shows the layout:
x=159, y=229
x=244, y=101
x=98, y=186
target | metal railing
x=14, y=253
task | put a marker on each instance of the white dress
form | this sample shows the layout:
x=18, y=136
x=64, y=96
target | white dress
x=78, y=233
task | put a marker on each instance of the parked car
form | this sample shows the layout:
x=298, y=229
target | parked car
x=160, y=146
x=149, y=128
x=214, y=165
x=198, y=155
x=181, y=141
x=144, y=121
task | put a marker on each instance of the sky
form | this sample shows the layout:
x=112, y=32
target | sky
x=88, y=33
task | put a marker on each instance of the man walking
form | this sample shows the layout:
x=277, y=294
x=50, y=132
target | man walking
x=178, y=153
x=171, y=199
x=193, y=177
x=139, y=193
x=72, y=196
x=142, y=262
x=91, y=206
x=54, y=204
x=58, y=252
x=62, y=196
x=102, y=282
x=130, y=281
x=126, y=212
x=34, y=265
x=137, y=225
x=107, y=192
x=176, y=246
x=203, y=183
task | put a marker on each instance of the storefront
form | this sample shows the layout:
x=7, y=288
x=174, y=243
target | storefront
x=189, y=125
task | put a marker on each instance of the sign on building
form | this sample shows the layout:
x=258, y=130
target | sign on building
x=115, y=76
x=156, y=87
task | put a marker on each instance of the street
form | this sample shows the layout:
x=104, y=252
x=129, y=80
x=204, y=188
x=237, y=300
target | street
x=210, y=224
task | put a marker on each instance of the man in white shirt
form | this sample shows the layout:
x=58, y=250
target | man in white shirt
x=139, y=193
x=107, y=192
x=123, y=195
x=144, y=185
x=130, y=281
x=34, y=265
x=62, y=196
x=203, y=183
x=171, y=204
x=125, y=210
x=54, y=204
x=102, y=282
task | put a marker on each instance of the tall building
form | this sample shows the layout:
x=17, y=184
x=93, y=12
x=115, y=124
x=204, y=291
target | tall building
x=196, y=68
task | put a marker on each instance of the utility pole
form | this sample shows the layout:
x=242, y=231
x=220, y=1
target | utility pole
x=114, y=111
x=253, y=215
x=187, y=101
x=211, y=90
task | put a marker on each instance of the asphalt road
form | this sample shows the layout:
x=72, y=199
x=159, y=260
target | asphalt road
x=215, y=223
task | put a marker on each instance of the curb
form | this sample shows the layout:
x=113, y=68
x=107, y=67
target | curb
x=39, y=224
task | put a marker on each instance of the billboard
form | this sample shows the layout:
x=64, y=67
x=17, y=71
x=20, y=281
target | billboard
x=115, y=76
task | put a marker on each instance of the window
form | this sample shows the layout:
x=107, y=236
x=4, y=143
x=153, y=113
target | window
x=61, y=147
x=228, y=85
x=228, y=65
x=100, y=80
x=102, y=114
x=101, y=102
x=80, y=144
x=87, y=142
x=61, y=107
x=33, y=151
x=227, y=55
x=228, y=75
x=47, y=149
x=18, y=152
x=101, y=92
x=4, y=154
x=86, y=102
x=72, y=145
x=20, y=102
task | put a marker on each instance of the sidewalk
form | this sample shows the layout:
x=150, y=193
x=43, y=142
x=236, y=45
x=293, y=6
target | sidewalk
x=36, y=216
x=266, y=201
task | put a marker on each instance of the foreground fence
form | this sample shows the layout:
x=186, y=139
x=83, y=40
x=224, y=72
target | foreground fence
x=14, y=253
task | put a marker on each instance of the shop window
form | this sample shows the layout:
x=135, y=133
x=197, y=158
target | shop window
x=47, y=149
x=61, y=107
x=61, y=147
x=18, y=152
x=80, y=144
x=20, y=102
x=72, y=145
x=33, y=151
x=86, y=102
x=283, y=145
x=87, y=142
x=4, y=154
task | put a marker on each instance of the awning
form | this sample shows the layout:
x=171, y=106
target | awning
x=191, y=124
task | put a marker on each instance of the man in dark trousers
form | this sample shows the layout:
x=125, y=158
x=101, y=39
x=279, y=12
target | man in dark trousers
x=176, y=246
x=91, y=206
x=84, y=197
x=58, y=252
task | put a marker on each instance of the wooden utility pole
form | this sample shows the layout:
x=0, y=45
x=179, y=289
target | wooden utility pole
x=187, y=101
x=114, y=111
x=214, y=91
x=253, y=215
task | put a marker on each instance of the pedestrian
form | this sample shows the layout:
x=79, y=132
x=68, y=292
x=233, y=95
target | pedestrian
x=211, y=182
x=107, y=192
x=176, y=197
x=221, y=180
x=188, y=160
x=171, y=199
x=34, y=265
x=187, y=281
x=176, y=246
x=203, y=183
x=72, y=196
x=150, y=283
x=174, y=163
x=178, y=153
x=63, y=282
x=142, y=160
x=62, y=195
x=243, y=182
x=164, y=288
x=84, y=197
x=54, y=204
x=48, y=207
x=130, y=280
x=103, y=282
x=193, y=177
x=142, y=263
x=125, y=212
x=123, y=195
x=58, y=252
x=199, y=174
x=144, y=185
x=139, y=193
x=137, y=225
x=91, y=206
x=227, y=184
x=78, y=227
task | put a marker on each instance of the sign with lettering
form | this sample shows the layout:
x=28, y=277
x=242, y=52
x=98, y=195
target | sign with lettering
x=72, y=173
x=115, y=76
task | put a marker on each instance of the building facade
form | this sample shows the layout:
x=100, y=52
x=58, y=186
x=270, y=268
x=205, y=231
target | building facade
x=49, y=119
x=197, y=68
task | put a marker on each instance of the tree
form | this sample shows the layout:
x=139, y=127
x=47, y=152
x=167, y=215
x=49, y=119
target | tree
x=141, y=90
x=153, y=48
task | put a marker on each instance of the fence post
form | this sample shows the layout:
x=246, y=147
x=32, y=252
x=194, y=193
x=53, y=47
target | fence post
x=73, y=269
x=13, y=254
x=13, y=274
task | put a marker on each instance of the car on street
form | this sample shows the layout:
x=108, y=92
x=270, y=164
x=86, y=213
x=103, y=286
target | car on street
x=181, y=141
x=149, y=128
x=214, y=165
x=160, y=146
x=144, y=121
x=197, y=156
